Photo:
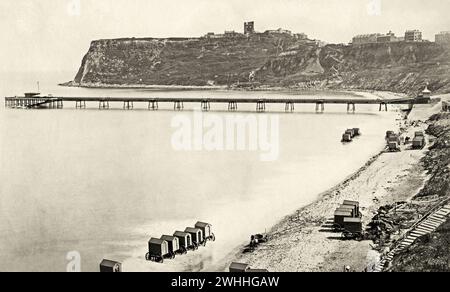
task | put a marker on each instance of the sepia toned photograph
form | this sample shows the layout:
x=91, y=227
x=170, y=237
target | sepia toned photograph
x=246, y=138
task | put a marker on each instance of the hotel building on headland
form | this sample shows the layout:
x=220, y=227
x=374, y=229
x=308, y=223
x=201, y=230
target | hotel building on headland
x=413, y=36
x=410, y=36
x=375, y=38
x=388, y=38
x=443, y=38
x=366, y=39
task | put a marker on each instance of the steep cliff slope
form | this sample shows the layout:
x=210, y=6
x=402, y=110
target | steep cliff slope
x=399, y=67
x=431, y=253
x=275, y=60
x=176, y=61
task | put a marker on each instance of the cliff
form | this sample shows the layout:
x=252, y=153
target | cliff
x=275, y=60
x=431, y=253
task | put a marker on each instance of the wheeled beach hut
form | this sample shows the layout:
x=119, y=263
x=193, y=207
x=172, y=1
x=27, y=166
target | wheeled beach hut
x=350, y=132
x=347, y=208
x=353, y=225
x=418, y=143
x=346, y=138
x=394, y=138
x=185, y=240
x=197, y=235
x=339, y=216
x=206, y=228
x=419, y=134
x=355, y=204
x=158, y=249
x=174, y=244
x=239, y=268
x=108, y=266
x=353, y=228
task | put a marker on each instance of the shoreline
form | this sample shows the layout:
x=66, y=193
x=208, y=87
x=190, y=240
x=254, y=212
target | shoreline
x=238, y=255
x=299, y=242
x=355, y=92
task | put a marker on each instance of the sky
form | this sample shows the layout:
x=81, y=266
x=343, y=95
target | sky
x=54, y=35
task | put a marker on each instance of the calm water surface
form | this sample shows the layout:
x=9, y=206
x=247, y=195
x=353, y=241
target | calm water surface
x=103, y=182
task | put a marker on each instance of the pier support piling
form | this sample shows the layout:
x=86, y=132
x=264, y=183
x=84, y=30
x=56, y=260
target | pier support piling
x=178, y=106
x=80, y=104
x=206, y=105
x=351, y=107
x=128, y=105
x=103, y=104
x=153, y=105
x=385, y=106
x=232, y=106
x=320, y=107
x=290, y=107
x=261, y=106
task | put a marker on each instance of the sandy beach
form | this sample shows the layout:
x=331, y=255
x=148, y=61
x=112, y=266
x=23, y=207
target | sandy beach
x=302, y=242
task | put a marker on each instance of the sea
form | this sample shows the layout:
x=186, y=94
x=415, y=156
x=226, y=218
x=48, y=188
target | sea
x=81, y=185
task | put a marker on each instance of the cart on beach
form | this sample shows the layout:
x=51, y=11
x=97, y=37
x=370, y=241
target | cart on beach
x=355, y=204
x=197, y=236
x=339, y=217
x=206, y=228
x=174, y=244
x=353, y=229
x=186, y=242
x=108, y=266
x=158, y=250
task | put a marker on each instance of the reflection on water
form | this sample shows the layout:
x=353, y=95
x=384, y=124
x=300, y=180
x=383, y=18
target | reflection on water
x=103, y=182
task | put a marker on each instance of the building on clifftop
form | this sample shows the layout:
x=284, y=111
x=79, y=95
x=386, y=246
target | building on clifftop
x=388, y=38
x=366, y=39
x=278, y=32
x=443, y=38
x=249, y=28
x=413, y=36
x=424, y=96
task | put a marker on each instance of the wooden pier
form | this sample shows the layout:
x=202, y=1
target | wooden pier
x=205, y=103
x=34, y=102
